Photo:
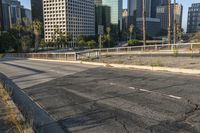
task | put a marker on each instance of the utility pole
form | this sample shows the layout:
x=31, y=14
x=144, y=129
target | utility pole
x=144, y=22
x=169, y=22
x=174, y=22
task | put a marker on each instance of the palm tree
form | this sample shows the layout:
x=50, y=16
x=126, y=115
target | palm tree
x=131, y=28
x=144, y=22
x=174, y=22
x=108, y=30
x=37, y=27
x=169, y=22
x=18, y=27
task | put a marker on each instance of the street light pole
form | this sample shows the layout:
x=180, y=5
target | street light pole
x=169, y=22
x=144, y=22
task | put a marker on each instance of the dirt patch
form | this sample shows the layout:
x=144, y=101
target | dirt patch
x=160, y=61
x=13, y=118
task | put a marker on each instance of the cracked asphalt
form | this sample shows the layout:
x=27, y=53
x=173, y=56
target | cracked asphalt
x=91, y=99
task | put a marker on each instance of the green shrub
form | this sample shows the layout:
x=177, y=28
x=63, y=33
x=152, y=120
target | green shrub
x=133, y=42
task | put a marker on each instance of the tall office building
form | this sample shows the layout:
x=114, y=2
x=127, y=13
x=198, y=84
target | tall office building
x=193, y=24
x=179, y=15
x=132, y=8
x=11, y=12
x=147, y=8
x=152, y=26
x=6, y=15
x=26, y=13
x=15, y=11
x=1, y=16
x=76, y=17
x=102, y=17
x=98, y=2
x=155, y=4
x=116, y=13
x=150, y=7
x=162, y=14
x=125, y=20
x=37, y=10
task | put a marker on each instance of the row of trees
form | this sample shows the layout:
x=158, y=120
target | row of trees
x=21, y=37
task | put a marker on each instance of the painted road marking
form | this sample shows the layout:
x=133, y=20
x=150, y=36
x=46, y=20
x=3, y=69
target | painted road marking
x=145, y=90
x=112, y=83
x=176, y=97
x=133, y=88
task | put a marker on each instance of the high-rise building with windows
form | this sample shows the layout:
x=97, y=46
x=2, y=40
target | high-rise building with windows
x=37, y=10
x=15, y=11
x=26, y=13
x=135, y=9
x=98, y=2
x=6, y=15
x=11, y=12
x=76, y=17
x=150, y=7
x=162, y=14
x=116, y=13
x=102, y=17
x=193, y=24
x=1, y=16
x=125, y=20
x=132, y=8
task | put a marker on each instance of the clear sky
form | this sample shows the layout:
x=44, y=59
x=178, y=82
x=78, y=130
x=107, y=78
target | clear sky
x=185, y=3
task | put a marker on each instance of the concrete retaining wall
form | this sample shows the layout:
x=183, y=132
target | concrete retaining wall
x=40, y=120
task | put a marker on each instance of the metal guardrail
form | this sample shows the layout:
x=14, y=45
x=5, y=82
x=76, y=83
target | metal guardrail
x=72, y=56
x=153, y=48
x=185, y=48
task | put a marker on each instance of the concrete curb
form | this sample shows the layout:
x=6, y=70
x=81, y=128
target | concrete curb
x=168, y=69
x=39, y=119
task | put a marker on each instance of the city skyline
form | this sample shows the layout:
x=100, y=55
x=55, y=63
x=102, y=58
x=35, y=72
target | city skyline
x=185, y=4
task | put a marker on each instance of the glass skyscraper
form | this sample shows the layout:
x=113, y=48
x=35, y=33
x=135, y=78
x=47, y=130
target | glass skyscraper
x=193, y=24
x=37, y=10
x=1, y=16
x=116, y=11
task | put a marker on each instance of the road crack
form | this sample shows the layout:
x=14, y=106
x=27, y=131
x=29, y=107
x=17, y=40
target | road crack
x=122, y=123
x=187, y=115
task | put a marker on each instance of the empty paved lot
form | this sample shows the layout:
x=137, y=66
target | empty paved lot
x=90, y=99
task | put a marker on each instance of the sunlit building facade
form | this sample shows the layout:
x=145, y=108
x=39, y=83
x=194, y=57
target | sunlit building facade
x=76, y=17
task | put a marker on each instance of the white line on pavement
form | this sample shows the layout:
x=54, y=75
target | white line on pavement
x=145, y=90
x=113, y=84
x=133, y=88
x=176, y=97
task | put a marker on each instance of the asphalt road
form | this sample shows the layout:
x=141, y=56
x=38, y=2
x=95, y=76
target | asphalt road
x=91, y=99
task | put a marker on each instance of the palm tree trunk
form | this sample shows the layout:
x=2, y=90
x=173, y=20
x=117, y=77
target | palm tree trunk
x=169, y=22
x=37, y=37
x=174, y=22
x=144, y=23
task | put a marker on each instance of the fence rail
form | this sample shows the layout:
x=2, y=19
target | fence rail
x=73, y=56
x=183, y=47
x=186, y=48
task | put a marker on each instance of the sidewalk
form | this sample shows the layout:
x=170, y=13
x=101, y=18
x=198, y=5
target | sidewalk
x=125, y=66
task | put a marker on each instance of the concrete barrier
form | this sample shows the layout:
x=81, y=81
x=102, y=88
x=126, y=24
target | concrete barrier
x=41, y=121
